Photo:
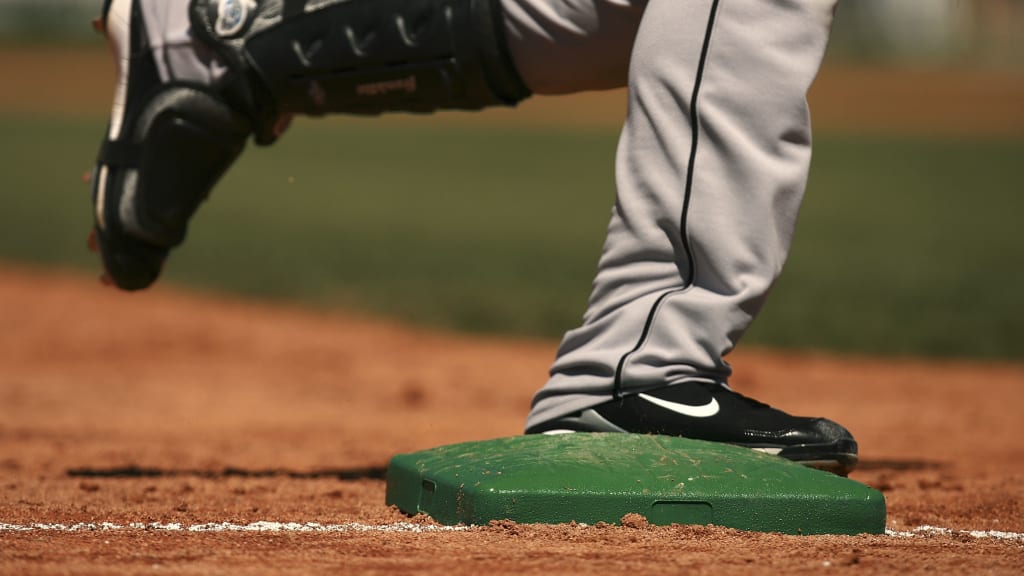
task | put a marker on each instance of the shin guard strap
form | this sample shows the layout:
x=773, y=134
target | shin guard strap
x=370, y=56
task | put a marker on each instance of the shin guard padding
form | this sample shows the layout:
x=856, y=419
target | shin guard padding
x=151, y=183
x=365, y=56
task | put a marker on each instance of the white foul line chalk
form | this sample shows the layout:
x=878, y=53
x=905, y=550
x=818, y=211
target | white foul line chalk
x=229, y=527
x=938, y=531
x=314, y=527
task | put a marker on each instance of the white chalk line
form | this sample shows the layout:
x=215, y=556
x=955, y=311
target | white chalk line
x=261, y=526
x=409, y=527
x=939, y=531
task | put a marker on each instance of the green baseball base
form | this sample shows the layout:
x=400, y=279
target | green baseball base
x=590, y=478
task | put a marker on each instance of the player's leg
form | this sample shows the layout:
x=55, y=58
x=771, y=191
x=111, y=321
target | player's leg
x=565, y=46
x=170, y=137
x=196, y=78
x=711, y=168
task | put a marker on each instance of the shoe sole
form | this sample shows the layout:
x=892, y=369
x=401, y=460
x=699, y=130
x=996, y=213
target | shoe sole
x=837, y=457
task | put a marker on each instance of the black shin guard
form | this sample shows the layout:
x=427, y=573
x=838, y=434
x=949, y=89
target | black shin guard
x=151, y=182
x=360, y=56
x=164, y=150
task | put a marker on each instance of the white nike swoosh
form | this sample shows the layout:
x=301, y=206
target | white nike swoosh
x=705, y=411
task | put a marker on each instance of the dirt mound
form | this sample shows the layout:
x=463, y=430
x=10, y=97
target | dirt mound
x=204, y=419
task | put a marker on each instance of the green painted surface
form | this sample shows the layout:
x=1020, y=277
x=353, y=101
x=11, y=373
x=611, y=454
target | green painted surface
x=592, y=478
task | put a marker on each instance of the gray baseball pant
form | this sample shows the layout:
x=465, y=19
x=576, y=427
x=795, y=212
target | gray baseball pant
x=710, y=170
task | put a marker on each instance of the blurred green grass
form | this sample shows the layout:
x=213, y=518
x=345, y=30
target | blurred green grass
x=905, y=245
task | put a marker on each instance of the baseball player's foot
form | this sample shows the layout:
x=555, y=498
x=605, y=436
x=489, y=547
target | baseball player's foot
x=714, y=412
x=171, y=136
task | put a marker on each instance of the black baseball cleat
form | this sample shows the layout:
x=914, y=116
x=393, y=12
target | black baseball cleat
x=167, y=143
x=716, y=413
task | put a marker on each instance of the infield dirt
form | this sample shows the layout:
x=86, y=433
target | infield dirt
x=176, y=408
